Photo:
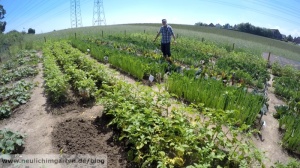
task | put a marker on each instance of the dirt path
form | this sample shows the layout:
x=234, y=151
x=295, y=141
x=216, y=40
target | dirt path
x=33, y=121
x=48, y=133
x=270, y=133
x=281, y=60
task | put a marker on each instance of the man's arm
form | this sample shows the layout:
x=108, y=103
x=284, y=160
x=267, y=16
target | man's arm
x=173, y=34
x=174, y=37
x=156, y=36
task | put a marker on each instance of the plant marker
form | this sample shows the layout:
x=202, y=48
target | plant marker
x=151, y=78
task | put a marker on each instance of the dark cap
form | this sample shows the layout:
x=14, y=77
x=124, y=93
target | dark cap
x=164, y=20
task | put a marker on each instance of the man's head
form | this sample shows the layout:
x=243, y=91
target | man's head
x=164, y=22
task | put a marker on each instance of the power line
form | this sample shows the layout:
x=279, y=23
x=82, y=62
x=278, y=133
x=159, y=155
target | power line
x=254, y=10
x=24, y=10
x=38, y=13
x=291, y=11
x=52, y=16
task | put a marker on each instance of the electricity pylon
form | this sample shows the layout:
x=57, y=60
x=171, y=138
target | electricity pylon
x=98, y=13
x=76, y=20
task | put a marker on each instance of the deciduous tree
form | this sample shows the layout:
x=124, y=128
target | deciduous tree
x=2, y=24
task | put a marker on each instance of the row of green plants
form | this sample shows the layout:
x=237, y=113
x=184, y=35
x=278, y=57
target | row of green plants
x=189, y=52
x=10, y=143
x=139, y=67
x=83, y=74
x=157, y=135
x=212, y=93
x=13, y=96
x=18, y=91
x=56, y=83
x=286, y=84
x=23, y=57
x=293, y=163
x=248, y=116
x=18, y=74
x=21, y=66
x=286, y=81
x=289, y=119
x=186, y=51
x=246, y=67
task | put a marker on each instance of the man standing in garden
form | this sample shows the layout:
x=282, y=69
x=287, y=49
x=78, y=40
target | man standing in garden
x=166, y=31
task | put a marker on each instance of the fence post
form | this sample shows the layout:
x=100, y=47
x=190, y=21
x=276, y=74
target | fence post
x=269, y=57
x=232, y=78
x=232, y=46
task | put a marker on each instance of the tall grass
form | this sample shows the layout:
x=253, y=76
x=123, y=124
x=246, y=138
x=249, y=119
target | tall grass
x=214, y=94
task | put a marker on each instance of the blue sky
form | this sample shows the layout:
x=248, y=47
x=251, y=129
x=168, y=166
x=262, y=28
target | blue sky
x=49, y=15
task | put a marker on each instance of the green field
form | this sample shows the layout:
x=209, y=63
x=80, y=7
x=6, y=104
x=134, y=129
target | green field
x=222, y=37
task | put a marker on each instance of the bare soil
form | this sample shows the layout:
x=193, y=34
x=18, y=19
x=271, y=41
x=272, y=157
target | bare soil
x=71, y=128
x=84, y=136
x=270, y=139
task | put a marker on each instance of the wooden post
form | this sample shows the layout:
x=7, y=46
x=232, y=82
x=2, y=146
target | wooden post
x=262, y=124
x=45, y=39
x=232, y=78
x=232, y=46
x=269, y=57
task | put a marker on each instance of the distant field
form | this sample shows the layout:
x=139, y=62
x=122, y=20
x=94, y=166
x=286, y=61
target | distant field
x=222, y=37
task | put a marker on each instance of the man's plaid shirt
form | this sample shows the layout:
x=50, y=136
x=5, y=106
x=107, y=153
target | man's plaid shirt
x=166, y=32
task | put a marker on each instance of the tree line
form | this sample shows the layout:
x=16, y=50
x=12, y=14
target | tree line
x=3, y=23
x=249, y=28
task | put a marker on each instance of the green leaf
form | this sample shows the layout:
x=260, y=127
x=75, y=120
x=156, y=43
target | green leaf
x=19, y=142
x=139, y=145
x=9, y=143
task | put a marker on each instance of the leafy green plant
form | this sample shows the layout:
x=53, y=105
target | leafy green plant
x=5, y=110
x=13, y=96
x=18, y=74
x=55, y=81
x=86, y=87
x=84, y=74
x=138, y=67
x=286, y=85
x=175, y=140
x=293, y=163
x=10, y=143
